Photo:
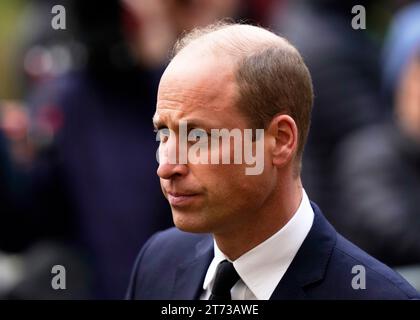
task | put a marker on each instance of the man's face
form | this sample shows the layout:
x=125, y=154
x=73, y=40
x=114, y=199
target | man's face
x=214, y=198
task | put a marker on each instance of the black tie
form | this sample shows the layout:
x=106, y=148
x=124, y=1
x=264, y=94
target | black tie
x=225, y=279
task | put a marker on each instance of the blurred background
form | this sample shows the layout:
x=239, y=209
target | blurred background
x=77, y=150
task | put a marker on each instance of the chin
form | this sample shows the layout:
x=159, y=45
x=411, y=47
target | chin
x=190, y=222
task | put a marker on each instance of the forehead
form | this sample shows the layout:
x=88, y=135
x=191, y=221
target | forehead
x=200, y=87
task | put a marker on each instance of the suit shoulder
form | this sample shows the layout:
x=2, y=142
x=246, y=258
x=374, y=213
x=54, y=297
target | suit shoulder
x=154, y=271
x=381, y=282
x=171, y=247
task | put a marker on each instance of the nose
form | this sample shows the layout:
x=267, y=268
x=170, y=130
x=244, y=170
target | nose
x=168, y=165
x=169, y=171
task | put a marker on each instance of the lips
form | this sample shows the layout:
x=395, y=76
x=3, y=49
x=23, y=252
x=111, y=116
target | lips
x=181, y=199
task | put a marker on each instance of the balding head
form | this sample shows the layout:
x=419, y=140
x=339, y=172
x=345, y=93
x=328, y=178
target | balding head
x=269, y=72
x=236, y=40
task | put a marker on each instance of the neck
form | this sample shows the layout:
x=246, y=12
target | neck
x=274, y=215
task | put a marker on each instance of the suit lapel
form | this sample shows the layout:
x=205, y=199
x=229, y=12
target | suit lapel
x=311, y=261
x=190, y=275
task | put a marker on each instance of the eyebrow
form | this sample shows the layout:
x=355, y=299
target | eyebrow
x=197, y=123
x=191, y=123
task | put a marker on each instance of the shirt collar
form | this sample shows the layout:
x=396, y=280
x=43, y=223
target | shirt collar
x=262, y=268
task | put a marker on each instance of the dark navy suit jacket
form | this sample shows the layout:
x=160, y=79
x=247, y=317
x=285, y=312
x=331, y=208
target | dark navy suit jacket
x=173, y=264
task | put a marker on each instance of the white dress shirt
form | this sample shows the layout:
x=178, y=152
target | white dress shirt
x=262, y=268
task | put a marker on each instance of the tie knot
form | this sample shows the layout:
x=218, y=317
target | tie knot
x=225, y=279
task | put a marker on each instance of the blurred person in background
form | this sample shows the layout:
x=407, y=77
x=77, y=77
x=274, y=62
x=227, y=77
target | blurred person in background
x=346, y=75
x=380, y=166
x=6, y=180
x=91, y=180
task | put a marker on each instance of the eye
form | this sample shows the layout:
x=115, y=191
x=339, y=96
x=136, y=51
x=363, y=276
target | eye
x=163, y=134
x=198, y=134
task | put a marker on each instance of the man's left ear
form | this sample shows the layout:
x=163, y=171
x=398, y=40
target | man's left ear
x=285, y=133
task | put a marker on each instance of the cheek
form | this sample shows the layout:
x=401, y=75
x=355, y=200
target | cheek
x=232, y=187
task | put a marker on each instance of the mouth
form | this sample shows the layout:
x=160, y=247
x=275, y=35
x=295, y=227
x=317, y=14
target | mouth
x=181, y=199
